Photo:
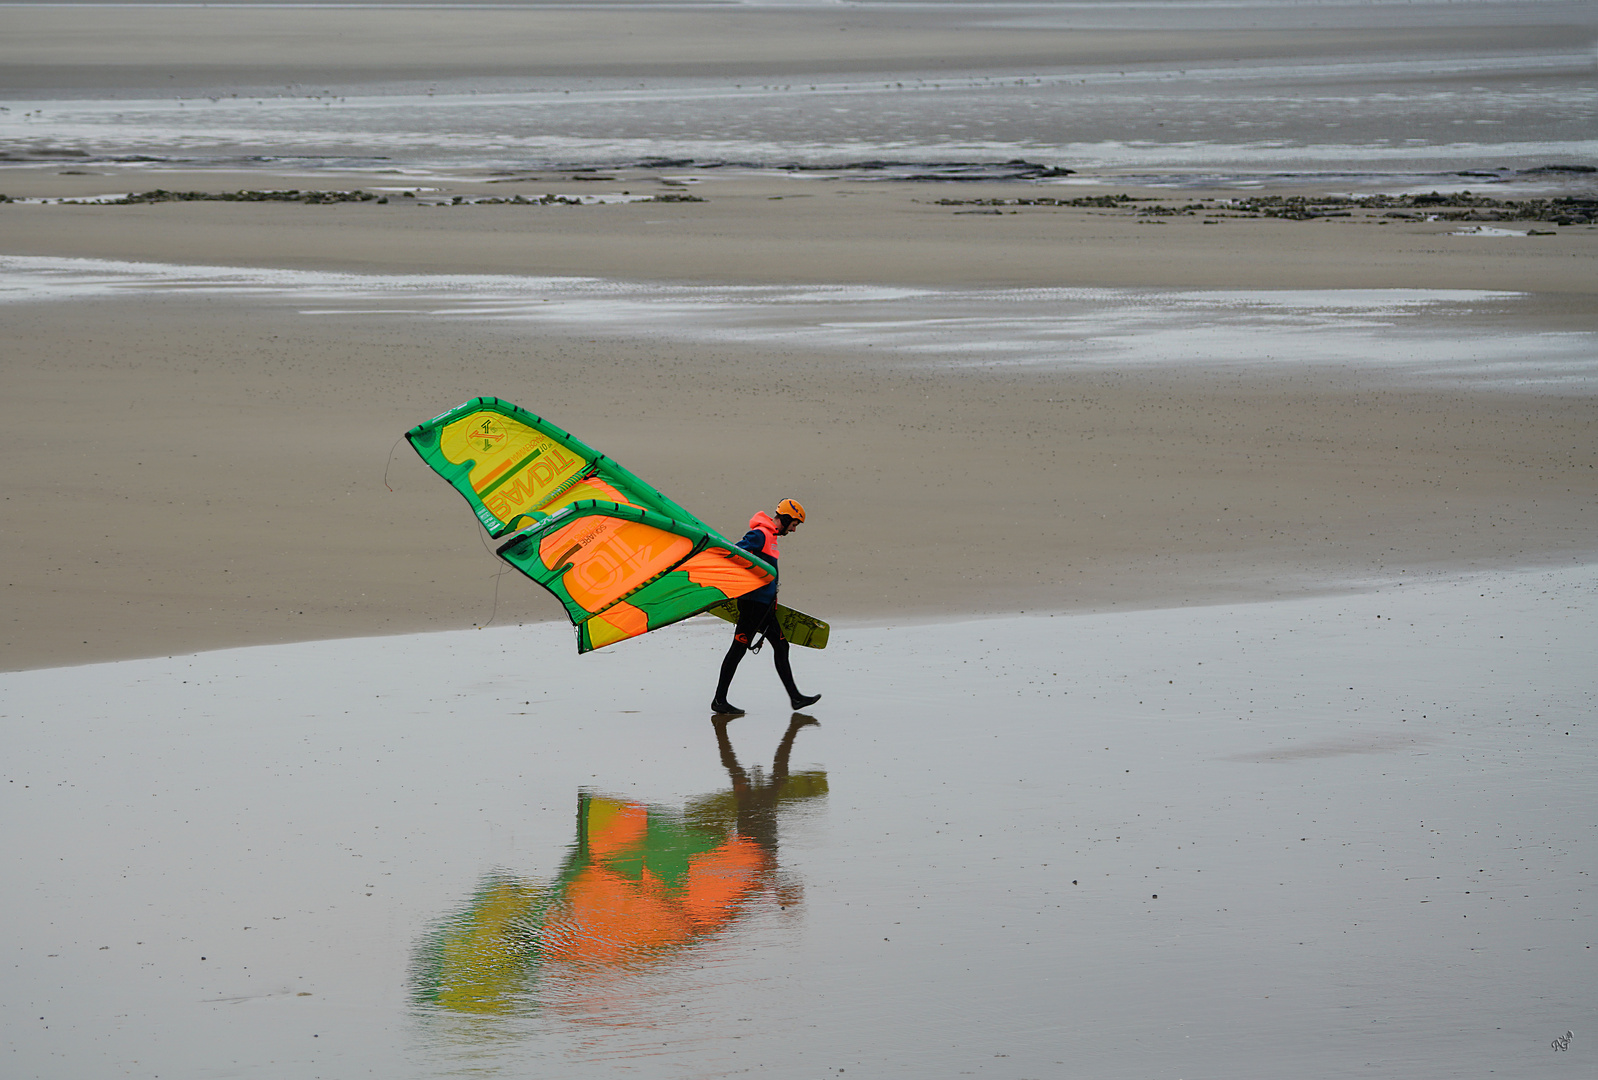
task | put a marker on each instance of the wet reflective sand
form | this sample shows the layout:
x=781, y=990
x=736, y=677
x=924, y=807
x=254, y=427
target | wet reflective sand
x=639, y=885
x=1347, y=832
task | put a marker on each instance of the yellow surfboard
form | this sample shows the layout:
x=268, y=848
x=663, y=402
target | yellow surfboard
x=797, y=627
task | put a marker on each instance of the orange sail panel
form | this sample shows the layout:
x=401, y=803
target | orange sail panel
x=622, y=571
x=609, y=557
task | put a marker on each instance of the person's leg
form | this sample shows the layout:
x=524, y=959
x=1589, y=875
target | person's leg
x=729, y=668
x=750, y=617
x=779, y=656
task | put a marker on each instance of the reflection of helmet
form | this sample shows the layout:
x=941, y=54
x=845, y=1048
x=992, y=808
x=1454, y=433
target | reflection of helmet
x=789, y=508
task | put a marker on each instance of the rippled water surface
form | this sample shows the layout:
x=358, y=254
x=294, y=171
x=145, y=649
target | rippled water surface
x=1439, y=103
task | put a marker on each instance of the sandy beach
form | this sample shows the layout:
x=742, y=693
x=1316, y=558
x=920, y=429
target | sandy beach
x=1195, y=411
x=223, y=482
x=209, y=465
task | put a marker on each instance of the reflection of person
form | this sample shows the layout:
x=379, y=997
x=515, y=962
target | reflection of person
x=640, y=883
x=757, y=611
x=757, y=797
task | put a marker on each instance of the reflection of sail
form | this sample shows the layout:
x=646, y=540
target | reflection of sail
x=640, y=883
x=644, y=881
x=480, y=960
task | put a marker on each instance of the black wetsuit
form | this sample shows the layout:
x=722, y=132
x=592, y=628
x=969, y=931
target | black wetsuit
x=757, y=617
x=757, y=614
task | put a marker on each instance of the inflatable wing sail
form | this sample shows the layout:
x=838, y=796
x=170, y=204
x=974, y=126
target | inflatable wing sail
x=621, y=557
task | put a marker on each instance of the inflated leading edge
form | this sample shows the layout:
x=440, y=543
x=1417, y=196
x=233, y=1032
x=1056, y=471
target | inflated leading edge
x=621, y=557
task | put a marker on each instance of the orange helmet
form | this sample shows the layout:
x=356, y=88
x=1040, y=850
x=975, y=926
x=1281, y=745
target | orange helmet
x=789, y=508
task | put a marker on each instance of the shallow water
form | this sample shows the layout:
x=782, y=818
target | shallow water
x=1350, y=833
x=1409, y=334
x=1361, y=107
x=1304, y=117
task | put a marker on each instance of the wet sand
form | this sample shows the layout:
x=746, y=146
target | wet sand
x=1350, y=833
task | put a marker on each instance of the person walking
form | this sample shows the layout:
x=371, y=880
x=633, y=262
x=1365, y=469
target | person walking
x=757, y=611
